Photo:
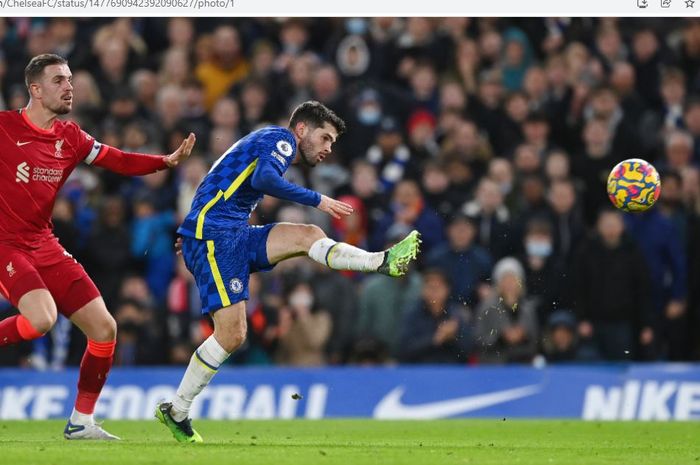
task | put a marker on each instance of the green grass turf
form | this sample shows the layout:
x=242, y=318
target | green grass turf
x=357, y=442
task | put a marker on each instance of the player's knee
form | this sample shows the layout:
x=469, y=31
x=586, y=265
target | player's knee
x=233, y=341
x=104, y=330
x=233, y=338
x=43, y=322
x=239, y=338
x=310, y=234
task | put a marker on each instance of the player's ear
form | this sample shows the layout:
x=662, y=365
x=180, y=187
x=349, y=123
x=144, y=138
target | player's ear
x=34, y=90
x=300, y=129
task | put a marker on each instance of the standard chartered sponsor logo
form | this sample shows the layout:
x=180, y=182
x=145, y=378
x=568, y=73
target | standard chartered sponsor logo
x=47, y=174
x=25, y=173
x=22, y=172
x=228, y=401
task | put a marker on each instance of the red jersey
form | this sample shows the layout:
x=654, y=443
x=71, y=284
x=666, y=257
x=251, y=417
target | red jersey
x=34, y=164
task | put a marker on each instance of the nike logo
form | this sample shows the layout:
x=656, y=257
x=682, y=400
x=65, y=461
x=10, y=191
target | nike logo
x=391, y=407
x=70, y=428
x=20, y=144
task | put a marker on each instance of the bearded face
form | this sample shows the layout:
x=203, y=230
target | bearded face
x=315, y=144
x=55, y=89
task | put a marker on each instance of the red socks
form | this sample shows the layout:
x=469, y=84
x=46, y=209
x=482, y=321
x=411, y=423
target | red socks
x=94, y=368
x=15, y=329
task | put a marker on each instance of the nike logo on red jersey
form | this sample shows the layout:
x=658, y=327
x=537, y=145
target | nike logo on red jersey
x=20, y=144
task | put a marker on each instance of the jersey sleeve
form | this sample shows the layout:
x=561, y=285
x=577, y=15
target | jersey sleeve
x=87, y=148
x=276, y=151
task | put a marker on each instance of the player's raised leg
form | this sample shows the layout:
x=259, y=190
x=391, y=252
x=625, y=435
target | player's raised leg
x=24, y=287
x=288, y=240
x=101, y=331
x=37, y=316
x=229, y=334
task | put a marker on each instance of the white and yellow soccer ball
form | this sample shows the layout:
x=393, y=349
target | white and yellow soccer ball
x=634, y=185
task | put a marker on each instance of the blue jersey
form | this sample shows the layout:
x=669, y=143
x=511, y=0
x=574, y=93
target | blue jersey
x=252, y=167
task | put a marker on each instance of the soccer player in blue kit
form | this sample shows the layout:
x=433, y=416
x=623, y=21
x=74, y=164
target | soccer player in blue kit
x=221, y=249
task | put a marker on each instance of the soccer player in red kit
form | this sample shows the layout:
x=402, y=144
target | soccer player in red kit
x=37, y=154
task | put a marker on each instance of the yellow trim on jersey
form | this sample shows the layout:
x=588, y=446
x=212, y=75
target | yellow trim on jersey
x=240, y=178
x=229, y=192
x=220, y=286
x=200, y=218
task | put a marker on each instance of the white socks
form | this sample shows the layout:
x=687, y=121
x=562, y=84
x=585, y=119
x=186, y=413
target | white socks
x=342, y=256
x=203, y=366
x=78, y=418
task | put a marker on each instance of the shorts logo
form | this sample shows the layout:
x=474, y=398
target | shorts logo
x=10, y=269
x=284, y=148
x=59, y=144
x=236, y=286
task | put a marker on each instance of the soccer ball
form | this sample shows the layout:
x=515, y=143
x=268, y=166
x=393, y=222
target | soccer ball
x=634, y=185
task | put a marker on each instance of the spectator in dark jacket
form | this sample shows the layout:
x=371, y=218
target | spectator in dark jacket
x=566, y=218
x=108, y=249
x=408, y=208
x=465, y=262
x=140, y=338
x=495, y=231
x=559, y=342
x=434, y=331
x=613, y=291
x=545, y=275
x=660, y=244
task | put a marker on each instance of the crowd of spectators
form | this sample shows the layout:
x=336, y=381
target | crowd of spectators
x=493, y=137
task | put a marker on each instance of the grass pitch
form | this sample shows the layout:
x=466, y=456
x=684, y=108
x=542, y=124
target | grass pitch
x=360, y=442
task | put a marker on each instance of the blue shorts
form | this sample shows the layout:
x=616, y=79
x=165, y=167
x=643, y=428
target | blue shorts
x=221, y=266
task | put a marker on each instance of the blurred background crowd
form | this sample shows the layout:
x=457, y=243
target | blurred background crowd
x=493, y=137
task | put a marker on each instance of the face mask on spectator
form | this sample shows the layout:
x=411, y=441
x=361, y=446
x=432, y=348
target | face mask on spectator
x=301, y=299
x=505, y=187
x=356, y=26
x=541, y=249
x=369, y=115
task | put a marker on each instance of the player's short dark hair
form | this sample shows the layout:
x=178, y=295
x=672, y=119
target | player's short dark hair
x=316, y=114
x=36, y=66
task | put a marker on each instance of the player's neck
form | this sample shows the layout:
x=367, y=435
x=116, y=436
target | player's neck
x=41, y=117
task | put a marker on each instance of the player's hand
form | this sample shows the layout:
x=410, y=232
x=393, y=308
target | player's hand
x=333, y=207
x=182, y=153
x=178, y=246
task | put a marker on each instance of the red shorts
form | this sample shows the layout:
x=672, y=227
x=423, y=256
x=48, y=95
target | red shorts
x=49, y=267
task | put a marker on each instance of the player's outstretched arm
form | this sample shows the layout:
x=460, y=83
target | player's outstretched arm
x=138, y=164
x=333, y=207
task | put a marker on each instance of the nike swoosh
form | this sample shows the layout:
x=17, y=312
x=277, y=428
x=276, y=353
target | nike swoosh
x=20, y=144
x=391, y=407
x=74, y=429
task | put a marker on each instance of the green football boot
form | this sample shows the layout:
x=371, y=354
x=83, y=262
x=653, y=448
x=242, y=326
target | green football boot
x=400, y=255
x=182, y=430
